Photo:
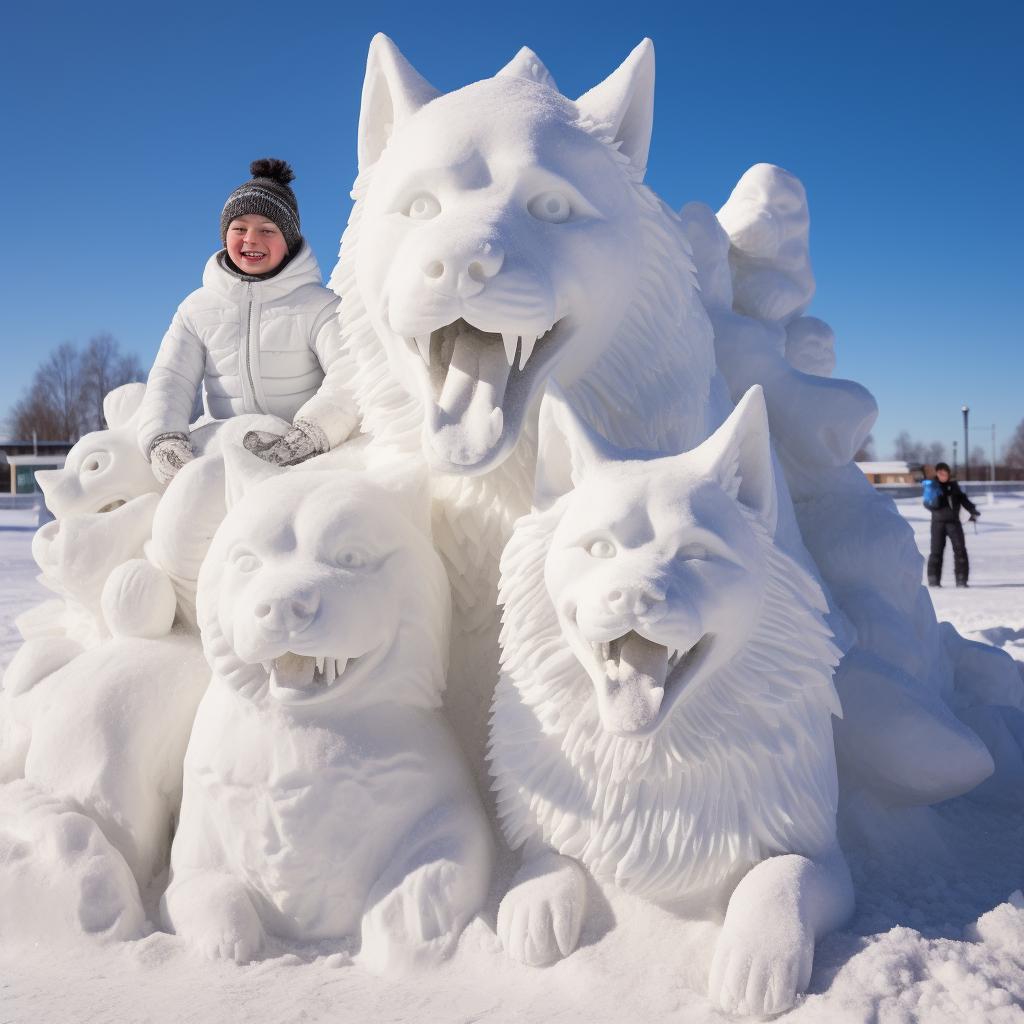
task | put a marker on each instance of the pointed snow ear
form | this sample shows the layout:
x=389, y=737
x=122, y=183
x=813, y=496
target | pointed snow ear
x=622, y=106
x=526, y=64
x=739, y=455
x=568, y=448
x=243, y=471
x=392, y=92
x=406, y=477
x=121, y=404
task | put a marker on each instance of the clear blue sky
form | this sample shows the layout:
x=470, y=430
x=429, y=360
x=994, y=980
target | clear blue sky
x=125, y=125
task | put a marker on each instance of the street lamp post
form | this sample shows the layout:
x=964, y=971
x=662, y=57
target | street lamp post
x=954, y=459
x=967, y=456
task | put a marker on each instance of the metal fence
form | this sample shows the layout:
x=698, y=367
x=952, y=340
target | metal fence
x=20, y=501
x=972, y=488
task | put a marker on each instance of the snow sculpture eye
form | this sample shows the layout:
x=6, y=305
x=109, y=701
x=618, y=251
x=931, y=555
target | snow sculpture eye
x=351, y=559
x=601, y=549
x=96, y=462
x=244, y=560
x=423, y=207
x=693, y=551
x=550, y=206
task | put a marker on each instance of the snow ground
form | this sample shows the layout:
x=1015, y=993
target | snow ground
x=937, y=937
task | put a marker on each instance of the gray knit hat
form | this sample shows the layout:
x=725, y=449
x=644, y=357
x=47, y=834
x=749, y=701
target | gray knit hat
x=269, y=196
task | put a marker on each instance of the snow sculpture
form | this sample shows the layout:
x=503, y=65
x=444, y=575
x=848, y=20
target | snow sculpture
x=753, y=262
x=104, y=500
x=663, y=714
x=107, y=731
x=502, y=235
x=193, y=507
x=60, y=876
x=324, y=795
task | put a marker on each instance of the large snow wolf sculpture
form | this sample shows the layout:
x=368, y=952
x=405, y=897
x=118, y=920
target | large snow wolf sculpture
x=323, y=793
x=663, y=714
x=502, y=235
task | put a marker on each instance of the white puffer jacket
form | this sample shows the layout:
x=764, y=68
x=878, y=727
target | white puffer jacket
x=258, y=347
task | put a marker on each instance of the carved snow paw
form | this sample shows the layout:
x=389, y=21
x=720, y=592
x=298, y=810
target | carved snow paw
x=758, y=968
x=540, y=917
x=215, y=916
x=416, y=923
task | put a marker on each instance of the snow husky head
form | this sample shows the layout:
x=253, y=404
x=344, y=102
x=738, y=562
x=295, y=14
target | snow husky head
x=105, y=469
x=501, y=235
x=666, y=666
x=319, y=583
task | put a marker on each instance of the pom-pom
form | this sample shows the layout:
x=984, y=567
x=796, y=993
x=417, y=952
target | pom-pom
x=276, y=170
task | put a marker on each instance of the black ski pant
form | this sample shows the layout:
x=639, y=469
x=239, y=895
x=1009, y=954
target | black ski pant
x=941, y=529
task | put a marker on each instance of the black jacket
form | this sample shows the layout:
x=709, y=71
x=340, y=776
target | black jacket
x=952, y=499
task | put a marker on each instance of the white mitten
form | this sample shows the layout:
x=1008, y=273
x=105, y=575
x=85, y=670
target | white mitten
x=168, y=453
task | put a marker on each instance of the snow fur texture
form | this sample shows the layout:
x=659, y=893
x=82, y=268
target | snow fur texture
x=635, y=355
x=736, y=765
x=323, y=792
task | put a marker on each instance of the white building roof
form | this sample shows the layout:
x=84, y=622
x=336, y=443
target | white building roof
x=56, y=461
x=889, y=467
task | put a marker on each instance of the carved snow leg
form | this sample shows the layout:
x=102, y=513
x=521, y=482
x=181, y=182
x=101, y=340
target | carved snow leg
x=779, y=910
x=436, y=882
x=540, y=917
x=213, y=913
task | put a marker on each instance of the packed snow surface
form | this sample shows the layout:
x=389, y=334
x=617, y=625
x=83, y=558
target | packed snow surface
x=938, y=934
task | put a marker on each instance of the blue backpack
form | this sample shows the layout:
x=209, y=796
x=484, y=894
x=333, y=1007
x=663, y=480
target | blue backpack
x=933, y=496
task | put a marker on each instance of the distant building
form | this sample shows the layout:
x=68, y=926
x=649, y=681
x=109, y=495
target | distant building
x=19, y=461
x=892, y=472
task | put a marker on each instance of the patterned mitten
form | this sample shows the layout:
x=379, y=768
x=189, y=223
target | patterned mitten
x=168, y=453
x=302, y=442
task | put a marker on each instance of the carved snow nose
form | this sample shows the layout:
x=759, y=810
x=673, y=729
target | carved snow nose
x=288, y=613
x=463, y=273
x=640, y=601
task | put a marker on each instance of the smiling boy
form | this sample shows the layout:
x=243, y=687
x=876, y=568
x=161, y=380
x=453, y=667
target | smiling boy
x=260, y=336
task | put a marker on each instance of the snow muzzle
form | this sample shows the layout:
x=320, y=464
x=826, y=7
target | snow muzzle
x=307, y=679
x=638, y=681
x=479, y=385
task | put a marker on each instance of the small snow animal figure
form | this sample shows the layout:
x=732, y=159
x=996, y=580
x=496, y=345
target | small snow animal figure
x=663, y=714
x=324, y=795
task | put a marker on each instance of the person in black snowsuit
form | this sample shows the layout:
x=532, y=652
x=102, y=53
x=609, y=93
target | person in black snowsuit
x=946, y=523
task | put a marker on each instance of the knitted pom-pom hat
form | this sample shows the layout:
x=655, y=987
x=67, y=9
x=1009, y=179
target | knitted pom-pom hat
x=269, y=196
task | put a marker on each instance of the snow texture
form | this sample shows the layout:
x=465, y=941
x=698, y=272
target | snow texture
x=936, y=937
x=324, y=794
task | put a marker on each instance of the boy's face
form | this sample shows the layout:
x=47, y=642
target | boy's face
x=255, y=244
x=942, y=475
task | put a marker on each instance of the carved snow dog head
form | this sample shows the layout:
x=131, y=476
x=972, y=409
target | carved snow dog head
x=501, y=237
x=664, y=706
x=104, y=469
x=321, y=583
x=655, y=569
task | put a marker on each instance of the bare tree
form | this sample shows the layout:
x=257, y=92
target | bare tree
x=103, y=369
x=978, y=456
x=53, y=406
x=908, y=450
x=866, y=452
x=65, y=399
x=1013, y=450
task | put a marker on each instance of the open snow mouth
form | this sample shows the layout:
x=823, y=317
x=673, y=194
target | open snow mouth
x=111, y=505
x=639, y=681
x=480, y=384
x=304, y=679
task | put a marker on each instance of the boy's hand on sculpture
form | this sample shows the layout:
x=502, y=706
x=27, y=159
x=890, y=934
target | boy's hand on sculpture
x=168, y=453
x=302, y=442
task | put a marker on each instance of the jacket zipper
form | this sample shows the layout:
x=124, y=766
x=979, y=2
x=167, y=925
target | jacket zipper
x=248, y=354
